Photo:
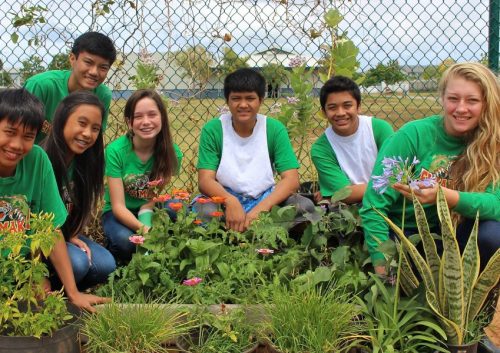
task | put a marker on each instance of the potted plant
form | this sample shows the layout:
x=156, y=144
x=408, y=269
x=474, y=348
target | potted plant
x=312, y=319
x=31, y=320
x=455, y=289
x=145, y=328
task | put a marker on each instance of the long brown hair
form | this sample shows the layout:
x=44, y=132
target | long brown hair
x=165, y=160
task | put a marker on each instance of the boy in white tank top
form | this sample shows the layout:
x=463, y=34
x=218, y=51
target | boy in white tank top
x=239, y=152
x=345, y=153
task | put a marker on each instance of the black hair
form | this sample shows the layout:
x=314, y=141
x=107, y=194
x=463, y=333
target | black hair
x=88, y=167
x=20, y=106
x=338, y=84
x=165, y=159
x=245, y=80
x=95, y=43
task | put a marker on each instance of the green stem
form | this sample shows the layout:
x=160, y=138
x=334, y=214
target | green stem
x=400, y=261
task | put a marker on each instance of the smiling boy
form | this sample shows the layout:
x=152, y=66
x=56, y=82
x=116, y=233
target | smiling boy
x=239, y=152
x=28, y=184
x=345, y=153
x=91, y=58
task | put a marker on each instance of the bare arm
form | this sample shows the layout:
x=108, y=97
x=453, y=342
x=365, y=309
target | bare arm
x=60, y=260
x=357, y=193
x=288, y=184
x=118, y=207
x=235, y=214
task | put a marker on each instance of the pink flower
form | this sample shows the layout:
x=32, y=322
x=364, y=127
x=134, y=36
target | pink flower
x=155, y=182
x=136, y=239
x=192, y=281
x=265, y=251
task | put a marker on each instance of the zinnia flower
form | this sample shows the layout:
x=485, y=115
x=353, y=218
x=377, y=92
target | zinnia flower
x=155, y=182
x=203, y=200
x=265, y=251
x=162, y=198
x=175, y=206
x=218, y=199
x=197, y=222
x=136, y=239
x=180, y=194
x=217, y=214
x=192, y=281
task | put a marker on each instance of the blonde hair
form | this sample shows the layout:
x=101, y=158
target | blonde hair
x=479, y=164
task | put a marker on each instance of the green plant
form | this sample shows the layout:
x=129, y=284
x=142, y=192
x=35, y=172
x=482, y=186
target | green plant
x=25, y=309
x=227, y=331
x=146, y=72
x=455, y=289
x=398, y=324
x=312, y=319
x=144, y=328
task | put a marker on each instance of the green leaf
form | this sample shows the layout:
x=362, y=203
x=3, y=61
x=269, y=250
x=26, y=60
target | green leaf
x=333, y=18
x=14, y=37
x=341, y=194
x=144, y=276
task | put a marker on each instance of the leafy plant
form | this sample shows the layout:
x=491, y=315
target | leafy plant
x=146, y=72
x=455, y=289
x=145, y=328
x=25, y=309
x=313, y=320
x=227, y=331
x=398, y=324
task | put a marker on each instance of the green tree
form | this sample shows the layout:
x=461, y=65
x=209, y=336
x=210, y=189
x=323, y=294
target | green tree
x=390, y=74
x=436, y=71
x=275, y=75
x=60, y=62
x=196, y=62
x=232, y=62
x=5, y=79
x=31, y=66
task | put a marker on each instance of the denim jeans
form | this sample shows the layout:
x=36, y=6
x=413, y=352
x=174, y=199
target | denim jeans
x=488, y=237
x=117, y=234
x=89, y=273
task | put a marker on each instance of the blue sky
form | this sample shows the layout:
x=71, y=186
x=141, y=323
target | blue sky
x=413, y=32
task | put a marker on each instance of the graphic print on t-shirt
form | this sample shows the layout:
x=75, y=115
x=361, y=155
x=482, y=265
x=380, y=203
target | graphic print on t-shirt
x=439, y=168
x=136, y=185
x=14, y=213
x=66, y=196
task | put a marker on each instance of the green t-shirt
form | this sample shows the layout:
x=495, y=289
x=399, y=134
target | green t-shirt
x=51, y=87
x=122, y=162
x=32, y=189
x=279, y=147
x=426, y=140
x=331, y=177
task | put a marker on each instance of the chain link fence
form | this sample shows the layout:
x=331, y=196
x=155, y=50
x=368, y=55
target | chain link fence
x=185, y=48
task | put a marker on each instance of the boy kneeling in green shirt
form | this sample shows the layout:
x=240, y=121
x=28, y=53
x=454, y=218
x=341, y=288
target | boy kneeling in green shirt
x=26, y=177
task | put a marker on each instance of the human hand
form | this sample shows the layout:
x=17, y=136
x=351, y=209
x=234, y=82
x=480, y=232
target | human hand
x=251, y=216
x=87, y=301
x=425, y=194
x=235, y=215
x=83, y=246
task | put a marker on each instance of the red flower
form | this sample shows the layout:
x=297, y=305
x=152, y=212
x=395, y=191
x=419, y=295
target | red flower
x=218, y=199
x=265, y=251
x=203, y=200
x=162, y=198
x=136, y=239
x=176, y=206
x=217, y=214
x=197, y=222
x=192, y=281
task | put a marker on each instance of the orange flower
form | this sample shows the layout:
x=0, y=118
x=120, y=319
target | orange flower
x=176, y=206
x=197, y=222
x=203, y=200
x=217, y=214
x=218, y=199
x=180, y=194
x=162, y=198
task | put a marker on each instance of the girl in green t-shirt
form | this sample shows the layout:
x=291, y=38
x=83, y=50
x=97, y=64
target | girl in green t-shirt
x=75, y=148
x=460, y=149
x=145, y=154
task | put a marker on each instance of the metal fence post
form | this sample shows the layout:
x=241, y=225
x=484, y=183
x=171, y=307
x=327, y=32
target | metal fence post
x=494, y=35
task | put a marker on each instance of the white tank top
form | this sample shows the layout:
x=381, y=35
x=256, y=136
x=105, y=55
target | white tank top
x=356, y=153
x=245, y=166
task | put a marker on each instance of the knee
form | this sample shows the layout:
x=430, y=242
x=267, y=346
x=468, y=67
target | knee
x=103, y=263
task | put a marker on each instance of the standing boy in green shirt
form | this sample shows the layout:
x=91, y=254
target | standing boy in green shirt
x=345, y=154
x=91, y=58
x=28, y=185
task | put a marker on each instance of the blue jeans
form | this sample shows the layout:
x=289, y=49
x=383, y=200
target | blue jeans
x=88, y=274
x=488, y=237
x=117, y=234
